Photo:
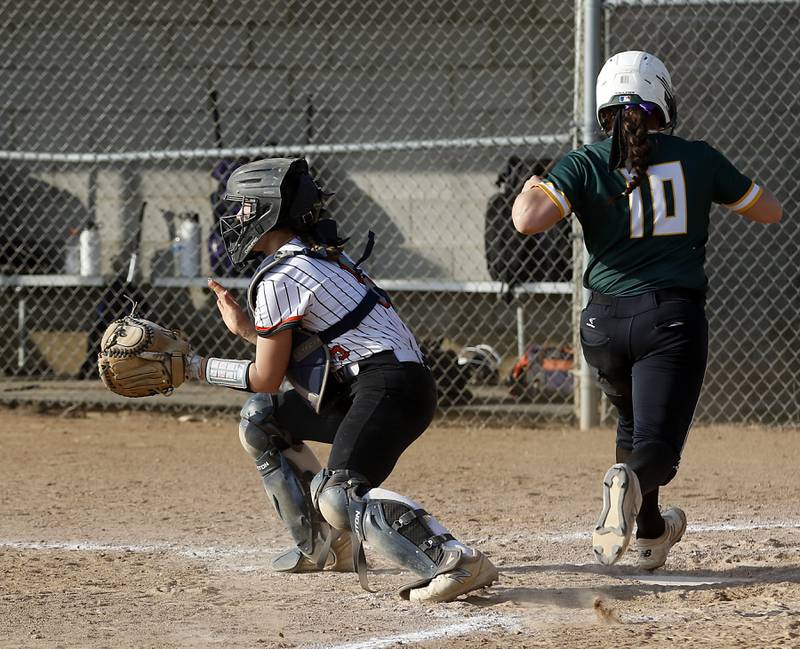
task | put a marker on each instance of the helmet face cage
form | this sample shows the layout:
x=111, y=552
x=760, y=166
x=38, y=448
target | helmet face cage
x=241, y=231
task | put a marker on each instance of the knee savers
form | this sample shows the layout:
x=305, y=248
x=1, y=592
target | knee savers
x=393, y=525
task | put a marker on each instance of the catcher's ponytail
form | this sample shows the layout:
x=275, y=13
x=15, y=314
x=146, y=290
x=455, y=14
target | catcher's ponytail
x=323, y=236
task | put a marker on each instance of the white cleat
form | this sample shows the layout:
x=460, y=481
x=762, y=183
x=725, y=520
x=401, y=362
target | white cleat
x=653, y=552
x=622, y=498
x=470, y=573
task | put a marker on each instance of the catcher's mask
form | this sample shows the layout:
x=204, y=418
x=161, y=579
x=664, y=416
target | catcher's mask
x=272, y=193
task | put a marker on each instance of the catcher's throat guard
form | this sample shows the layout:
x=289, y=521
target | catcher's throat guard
x=310, y=363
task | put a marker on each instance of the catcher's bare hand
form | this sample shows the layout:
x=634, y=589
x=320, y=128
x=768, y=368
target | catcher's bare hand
x=237, y=321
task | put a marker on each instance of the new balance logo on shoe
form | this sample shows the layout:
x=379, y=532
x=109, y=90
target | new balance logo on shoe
x=653, y=552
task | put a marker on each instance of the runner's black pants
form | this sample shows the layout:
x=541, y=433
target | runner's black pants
x=649, y=353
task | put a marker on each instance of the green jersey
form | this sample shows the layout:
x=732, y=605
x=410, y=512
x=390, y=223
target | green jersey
x=655, y=237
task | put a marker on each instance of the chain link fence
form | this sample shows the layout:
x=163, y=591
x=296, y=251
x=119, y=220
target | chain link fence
x=735, y=67
x=424, y=117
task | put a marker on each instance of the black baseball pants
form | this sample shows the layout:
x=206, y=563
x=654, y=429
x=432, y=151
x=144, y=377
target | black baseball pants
x=649, y=352
x=378, y=415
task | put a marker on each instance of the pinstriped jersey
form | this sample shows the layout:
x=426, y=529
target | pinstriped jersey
x=316, y=294
x=656, y=237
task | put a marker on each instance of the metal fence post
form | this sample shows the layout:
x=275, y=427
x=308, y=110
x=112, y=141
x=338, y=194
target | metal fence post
x=589, y=415
x=22, y=331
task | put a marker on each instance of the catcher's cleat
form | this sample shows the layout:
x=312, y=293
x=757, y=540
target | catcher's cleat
x=622, y=498
x=653, y=552
x=340, y=558
x=472, y=572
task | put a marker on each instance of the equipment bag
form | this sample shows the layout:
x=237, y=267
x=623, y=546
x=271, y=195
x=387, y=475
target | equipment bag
x=515, y=258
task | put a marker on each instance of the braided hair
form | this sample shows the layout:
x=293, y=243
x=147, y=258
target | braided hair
x=629, y=126
x=323, y=237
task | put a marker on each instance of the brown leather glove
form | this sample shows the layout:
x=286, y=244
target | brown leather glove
x=139, y=358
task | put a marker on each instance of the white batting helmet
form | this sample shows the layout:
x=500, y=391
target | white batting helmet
x=637, y=79
x=481, y=362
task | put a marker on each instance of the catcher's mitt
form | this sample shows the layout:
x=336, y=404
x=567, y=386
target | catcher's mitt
x=139, y=358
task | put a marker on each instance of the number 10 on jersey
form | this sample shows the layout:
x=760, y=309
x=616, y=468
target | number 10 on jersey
x=668, y=192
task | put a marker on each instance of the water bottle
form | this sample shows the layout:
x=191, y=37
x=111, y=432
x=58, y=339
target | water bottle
x=72, y=253
x=90, y=250
x=176, y=250
x=188, y=252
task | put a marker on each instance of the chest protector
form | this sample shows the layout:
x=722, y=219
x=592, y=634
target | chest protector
x=309, y=364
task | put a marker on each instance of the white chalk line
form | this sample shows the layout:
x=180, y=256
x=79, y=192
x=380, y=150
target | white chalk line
x=203, y=553
x=560, y=537
x=541, y=616
x=728, y=527
x=472, y=625
x=224, y=554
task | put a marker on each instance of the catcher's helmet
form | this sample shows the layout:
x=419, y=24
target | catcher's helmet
x=637, y=79
x=273, y=193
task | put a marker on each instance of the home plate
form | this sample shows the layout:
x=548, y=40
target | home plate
x=685, y=580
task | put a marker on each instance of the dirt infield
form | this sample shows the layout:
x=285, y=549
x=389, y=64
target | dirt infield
x=137, y=530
